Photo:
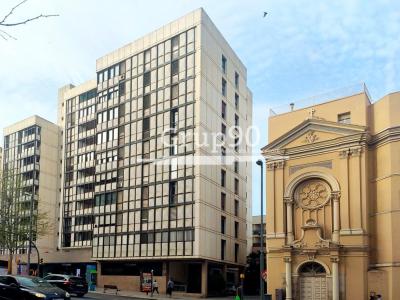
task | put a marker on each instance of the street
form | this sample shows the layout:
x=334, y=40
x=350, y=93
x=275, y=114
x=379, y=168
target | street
x=110, y=296
x=92, y=296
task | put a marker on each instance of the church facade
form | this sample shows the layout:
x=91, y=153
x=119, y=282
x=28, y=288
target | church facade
x=333, y=186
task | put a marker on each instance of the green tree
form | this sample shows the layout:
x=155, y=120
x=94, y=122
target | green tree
x=16, y=217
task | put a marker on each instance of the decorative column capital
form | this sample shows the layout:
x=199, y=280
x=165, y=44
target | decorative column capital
x=335, y=195
x=279, y=164
x=356, y=151
x=345, y=153
x=287, y=259
x=275, y=164
x=288, y=200
x=335, y=259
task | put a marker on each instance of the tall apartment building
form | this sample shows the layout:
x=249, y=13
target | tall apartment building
x=142, y=189
x=31, y=149
x=1, y=159
x=256, y=234
x=333, y=206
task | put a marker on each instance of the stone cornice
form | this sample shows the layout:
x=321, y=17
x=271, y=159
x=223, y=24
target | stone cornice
x=275, y=164
x=312, y=125
x=355, y=141
x=385, y=136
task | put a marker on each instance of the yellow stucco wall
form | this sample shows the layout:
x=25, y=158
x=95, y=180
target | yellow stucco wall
x=362, y=159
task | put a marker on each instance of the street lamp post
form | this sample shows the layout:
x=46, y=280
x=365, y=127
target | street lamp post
x=28, y=264
x=260, y=163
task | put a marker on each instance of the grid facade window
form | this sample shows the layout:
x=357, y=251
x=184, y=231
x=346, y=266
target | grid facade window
x=236, y=100
x=21, y=159
x=236, y=252
x=223, y=178
x=236, y=229
x=223, y=201
x=236, y=80
x=223, y=110
x=139, y=209
x=223, y=249
x=115, y=200
x=223, y=87
x=224, y=64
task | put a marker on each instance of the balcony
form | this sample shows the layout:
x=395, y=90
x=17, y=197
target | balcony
x=85, y=165
x=30, y=167
x=29, y=182
x=84, y=180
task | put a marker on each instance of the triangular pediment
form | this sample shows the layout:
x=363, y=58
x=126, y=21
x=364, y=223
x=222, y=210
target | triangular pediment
x=313, y=131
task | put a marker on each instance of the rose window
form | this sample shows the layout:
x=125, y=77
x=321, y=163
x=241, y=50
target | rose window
x=312, y=194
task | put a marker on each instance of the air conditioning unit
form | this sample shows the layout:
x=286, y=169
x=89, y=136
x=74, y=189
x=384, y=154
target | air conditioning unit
x=122, y=77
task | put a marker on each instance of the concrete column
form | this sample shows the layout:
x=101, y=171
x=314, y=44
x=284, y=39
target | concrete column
x=288, y=276
x=204, y=277
x=224, y=271
x=335, y=278
x=336, y=217
x=289, y=220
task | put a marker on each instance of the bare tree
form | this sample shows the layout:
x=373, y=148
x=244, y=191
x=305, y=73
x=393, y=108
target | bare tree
x=6, y=23
x=15, y=218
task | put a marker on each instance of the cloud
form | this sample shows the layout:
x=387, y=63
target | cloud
x=301, y=48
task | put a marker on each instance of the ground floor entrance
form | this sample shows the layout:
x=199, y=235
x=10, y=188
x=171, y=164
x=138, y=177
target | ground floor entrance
x=198, y=278
x=313, y=284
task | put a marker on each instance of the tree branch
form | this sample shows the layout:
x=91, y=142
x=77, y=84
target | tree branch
x=5, y=35
x=11, y=11
x=27, y=20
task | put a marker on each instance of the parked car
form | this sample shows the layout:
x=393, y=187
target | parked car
x=29, y=288
x=230, y=289
x=71, y=284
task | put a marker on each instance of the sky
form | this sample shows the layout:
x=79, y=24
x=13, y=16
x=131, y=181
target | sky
x=300, y=49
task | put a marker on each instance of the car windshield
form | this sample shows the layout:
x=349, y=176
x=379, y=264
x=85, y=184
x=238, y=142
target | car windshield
x=33, y=282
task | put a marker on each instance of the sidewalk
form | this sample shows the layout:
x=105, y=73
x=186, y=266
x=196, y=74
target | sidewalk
x=140, y=295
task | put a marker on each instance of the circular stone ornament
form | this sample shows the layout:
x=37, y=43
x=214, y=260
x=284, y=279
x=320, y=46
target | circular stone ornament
x=312, y=194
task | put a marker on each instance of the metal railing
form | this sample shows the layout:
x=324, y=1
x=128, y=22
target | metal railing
x=321, y=98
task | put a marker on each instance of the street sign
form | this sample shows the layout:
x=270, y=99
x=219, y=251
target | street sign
x=264, y=275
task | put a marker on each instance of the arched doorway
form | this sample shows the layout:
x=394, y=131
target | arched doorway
x=313, y=282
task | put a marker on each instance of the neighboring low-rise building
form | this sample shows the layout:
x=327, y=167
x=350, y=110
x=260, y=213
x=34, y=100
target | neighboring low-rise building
x=333, y=207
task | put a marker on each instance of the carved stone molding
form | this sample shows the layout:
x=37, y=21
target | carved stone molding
x=344, y=153
x=312, y=194
x=355, y=151
x=311, y=254
x=311, y=137
x=288, y=200
x=323, y=164
x=270, y=166
x=335, y=259
x=335, y=195
x=279, y=164
x=287, y=259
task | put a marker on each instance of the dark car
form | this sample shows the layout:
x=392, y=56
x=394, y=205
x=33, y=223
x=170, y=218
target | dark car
x=71, y=284
x=29, y=288
x=230, y=289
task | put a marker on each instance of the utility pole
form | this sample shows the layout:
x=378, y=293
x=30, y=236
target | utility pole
x=30, y=234
x=260, y=163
